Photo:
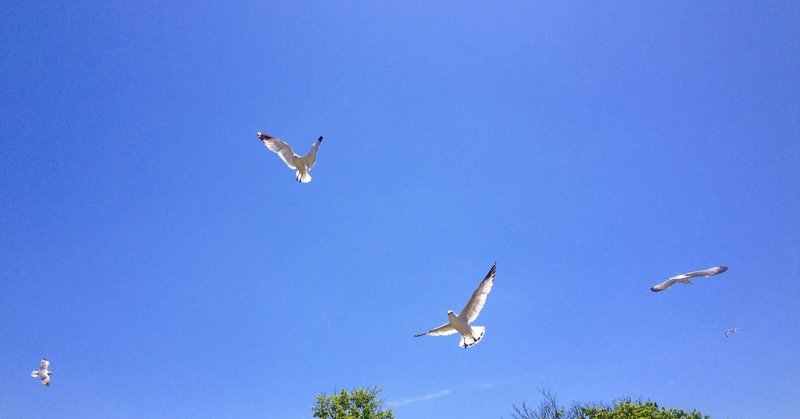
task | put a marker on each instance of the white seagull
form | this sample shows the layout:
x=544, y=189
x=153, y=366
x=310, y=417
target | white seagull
x=42, y=373
x=470, y=335
x=732, y=330
x=302, y=164
x=685, y=278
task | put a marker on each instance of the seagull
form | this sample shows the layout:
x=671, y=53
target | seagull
x=43, y=373
x=302, y=164
x=459, y=323
x=732, y=330
x=684, y=278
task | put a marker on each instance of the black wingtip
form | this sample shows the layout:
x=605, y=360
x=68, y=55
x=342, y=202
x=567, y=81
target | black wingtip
x=319, y=139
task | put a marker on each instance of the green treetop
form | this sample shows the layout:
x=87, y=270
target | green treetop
x=360, y=403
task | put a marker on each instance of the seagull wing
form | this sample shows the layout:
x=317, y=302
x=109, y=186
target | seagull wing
x=443, y=330
x=279, y=147
x=311, y=157
x=46, y=380
x=470, y=312
x=708, y=272
x=666, y=284
x=44, y=364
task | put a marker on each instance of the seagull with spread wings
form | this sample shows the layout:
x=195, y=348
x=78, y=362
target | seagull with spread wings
x=732, y=330
x=459, y=323
x=302, y=165
x=685, y=278
x=42, y=373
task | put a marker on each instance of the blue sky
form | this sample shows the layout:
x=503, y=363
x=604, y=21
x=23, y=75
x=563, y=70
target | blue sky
x=169, y=266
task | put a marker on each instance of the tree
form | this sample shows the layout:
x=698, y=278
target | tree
x=622, y=409
x=548, y=409
x=360, y=403
x=628, y=409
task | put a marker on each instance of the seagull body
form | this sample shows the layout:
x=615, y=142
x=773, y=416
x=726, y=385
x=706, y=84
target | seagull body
x=686, y=278
x=732, y=330
x=460, y=323
x=302, y=165
x=42, y=373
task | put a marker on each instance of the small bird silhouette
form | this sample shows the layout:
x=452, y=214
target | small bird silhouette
x=302, y=165
x=732, y=330
x=685, y=278
x=470, y=335
x=42, y=373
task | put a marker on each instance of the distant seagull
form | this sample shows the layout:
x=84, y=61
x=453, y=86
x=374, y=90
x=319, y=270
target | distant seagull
x=685, y=278
x=43, y=373
x=302, y=164
x=732, y=330
x=470, y=335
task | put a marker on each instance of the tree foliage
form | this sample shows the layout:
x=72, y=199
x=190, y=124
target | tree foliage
x=622, y=409
x=629, y=409
x=360, y=403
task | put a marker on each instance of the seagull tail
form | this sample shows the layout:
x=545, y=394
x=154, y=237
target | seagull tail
x=303, y=177
x=35, y=374
x=475, y=336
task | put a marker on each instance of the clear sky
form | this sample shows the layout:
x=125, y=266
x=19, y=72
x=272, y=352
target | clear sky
x=169, y=265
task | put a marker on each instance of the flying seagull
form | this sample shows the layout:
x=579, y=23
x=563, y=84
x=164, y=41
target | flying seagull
x=459, y=323
x=42, y=373
x=732, y=330
x=302, y=164
x=685, y=278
